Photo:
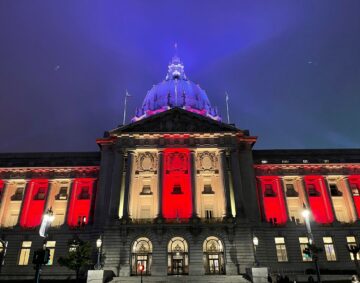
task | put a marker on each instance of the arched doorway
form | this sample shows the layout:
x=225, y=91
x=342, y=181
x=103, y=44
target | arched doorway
x=178, y=256
x=213, y=250
x=141, y=254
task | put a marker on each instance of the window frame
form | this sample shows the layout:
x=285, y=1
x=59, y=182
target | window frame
x=282, y=248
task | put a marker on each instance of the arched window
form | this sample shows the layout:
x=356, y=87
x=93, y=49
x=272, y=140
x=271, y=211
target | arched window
x=213, y=257
x=141, y=254
x=178, y=257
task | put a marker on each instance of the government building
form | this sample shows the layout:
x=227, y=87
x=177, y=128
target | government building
x=184, y=195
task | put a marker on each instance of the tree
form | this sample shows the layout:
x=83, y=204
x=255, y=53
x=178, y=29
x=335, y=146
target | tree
x=354, y=250
x=78, y=257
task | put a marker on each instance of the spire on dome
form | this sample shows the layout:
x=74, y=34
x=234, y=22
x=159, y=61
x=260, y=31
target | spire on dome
x=176, y=67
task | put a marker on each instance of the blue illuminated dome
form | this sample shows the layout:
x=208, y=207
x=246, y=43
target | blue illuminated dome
x=176, y=91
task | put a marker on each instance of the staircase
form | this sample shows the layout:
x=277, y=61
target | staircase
x=182, y=279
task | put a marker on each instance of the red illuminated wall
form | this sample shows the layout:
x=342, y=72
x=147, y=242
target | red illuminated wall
x=273, y=199
x=177, y=203
x=82, y=195
x=34, y=203
x=319, y=199
x=354, y=182
x=1, y=188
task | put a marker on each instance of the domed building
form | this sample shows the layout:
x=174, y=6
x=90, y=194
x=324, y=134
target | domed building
x=179, y=196
x=176, y=91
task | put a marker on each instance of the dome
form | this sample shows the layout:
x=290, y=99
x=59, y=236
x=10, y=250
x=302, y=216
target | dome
x=176, y=91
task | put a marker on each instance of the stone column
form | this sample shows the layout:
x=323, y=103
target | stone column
x=247, y=174
x=71, y=181
x=128, y=176
x=3, y=200
x=160, y=182
x=236, y=179
x=345, y=181
x=225, y=175
x=117, y=174
x=104, y=185
x=282, y=188
x=193, y=182
x=328, y=195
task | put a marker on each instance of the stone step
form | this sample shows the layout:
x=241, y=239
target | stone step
x=182, y=279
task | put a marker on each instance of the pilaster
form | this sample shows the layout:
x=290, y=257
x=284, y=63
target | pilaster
x=225, y=177
x=128, y=177
x=193, y=182
x=160, y=183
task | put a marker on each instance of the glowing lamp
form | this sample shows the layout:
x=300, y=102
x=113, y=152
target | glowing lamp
x=141, y=268
x=305, y=213
x=255, y=241
x=98, y=243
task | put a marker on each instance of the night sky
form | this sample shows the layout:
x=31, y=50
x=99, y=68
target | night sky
x=291, y=68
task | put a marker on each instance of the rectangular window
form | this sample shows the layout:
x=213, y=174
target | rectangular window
x=354, y=189
x=329, y=248
x=62, y=194
x=24, y=253
x=51, y=246
x=208, y=214
x=84, y=194
x=351, y=241
x=269, y=191
x=18, y=194
x=304, y=245
x=334, y=191
x=290, y=191
x=281, y=249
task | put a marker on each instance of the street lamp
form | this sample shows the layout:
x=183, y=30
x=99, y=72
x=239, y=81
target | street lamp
x=47, y=219
x=98, y=245
x=255, y=244
x=141, y=268
x=312, y=248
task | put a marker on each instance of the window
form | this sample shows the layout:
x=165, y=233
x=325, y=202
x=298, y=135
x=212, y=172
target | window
x=18, y=194
x=281, y=249
x=62, y=194
x=334, y=191
x=40, y=194
x=208, y=189
x=178, y=257
x=304, y=241
x=290, y=191
x=269, y=192
x=3, y=247
x=177, y=190
x=354, y=189
x=51, y=246
x=351, y=241
x=24, y=253
x=208, y=213
x=312, y=191
x=146, y=190
x=84, y=193
x=329, y=248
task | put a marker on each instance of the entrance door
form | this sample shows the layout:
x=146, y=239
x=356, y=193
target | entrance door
x=214, y=265
x=178, y=265
x=141, y=260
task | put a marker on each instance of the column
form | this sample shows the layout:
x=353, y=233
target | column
x=70, y=185
x=281, y=187
x=160, y=182
x=225, y=177
x=328, y=196
x=235, y=170
x=4, y=200
x=129, y=165
x=104, y=184
x=193, y=182
x=116, y=187
x=345, y=181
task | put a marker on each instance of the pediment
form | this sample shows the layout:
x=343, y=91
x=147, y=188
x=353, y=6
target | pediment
x=175, y=120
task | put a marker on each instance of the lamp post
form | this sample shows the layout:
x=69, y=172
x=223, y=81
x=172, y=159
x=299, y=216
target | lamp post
x=306, y=214
x=255, y=245
x=42, y=255
x=141, y=268
x=98, y=246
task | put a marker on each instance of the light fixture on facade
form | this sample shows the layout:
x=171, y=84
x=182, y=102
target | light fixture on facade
x=98, y=246
x=48, y=218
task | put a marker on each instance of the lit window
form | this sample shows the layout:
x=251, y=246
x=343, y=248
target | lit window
x=146, y=190
x=208, y=213
x=351, y=241
x=304, y=241
x=329, y=248
x=18, y=194
x=51, y=246
x=62, y=193
x=24, y=253
x=354, y=189
x=281, y=249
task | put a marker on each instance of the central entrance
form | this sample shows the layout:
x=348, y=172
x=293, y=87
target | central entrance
x=178, y=257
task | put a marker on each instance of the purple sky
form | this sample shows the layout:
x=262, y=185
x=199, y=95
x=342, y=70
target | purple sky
x=291, y=68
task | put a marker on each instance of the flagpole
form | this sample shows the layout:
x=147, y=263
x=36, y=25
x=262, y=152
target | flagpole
x=126, y=96
x=227, y=106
